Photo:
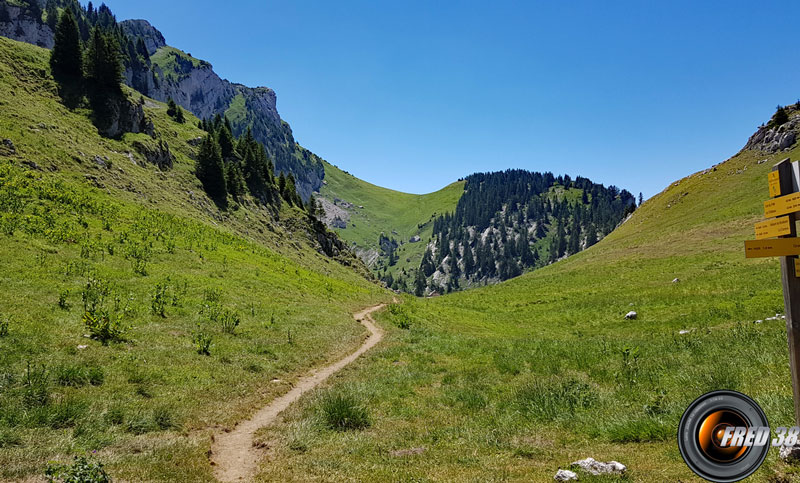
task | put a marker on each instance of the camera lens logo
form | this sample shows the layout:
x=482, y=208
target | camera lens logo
x=721, y=436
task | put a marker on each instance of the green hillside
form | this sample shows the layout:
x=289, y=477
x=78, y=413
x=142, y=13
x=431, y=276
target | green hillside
x=197, y=315
x=512, y=382
x=397, y=215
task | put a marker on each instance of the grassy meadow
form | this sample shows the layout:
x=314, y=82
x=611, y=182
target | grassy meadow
x=512, y=382
x=196, y=316
x=387, y=211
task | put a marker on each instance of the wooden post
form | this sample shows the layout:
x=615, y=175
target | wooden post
x=791, y=291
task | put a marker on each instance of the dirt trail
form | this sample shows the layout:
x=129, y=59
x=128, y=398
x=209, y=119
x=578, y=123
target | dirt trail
x=233, y=454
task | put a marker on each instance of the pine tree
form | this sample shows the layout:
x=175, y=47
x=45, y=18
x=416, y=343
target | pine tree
x=591, y=236
x=641, y=199
x=66, y=58
x=210, y=169
x=103, y=60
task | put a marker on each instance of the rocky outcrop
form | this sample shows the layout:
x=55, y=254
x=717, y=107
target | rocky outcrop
x=119, y=115
x=771, y=139
x=16, y=23
x=153, y=39
x=196, y=87
x=158, y=154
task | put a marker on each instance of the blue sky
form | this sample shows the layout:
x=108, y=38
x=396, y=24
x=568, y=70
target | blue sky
x=413, y=95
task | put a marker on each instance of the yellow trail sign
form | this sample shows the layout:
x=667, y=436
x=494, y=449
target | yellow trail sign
x=772, y=228
x=774, y=184
x=782, y=205
x=797, y=267
x=776, y=247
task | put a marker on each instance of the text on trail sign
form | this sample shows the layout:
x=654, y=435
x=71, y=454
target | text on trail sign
x=774, y=227
x=777, y=247
x=774, y=184
x=782, y=205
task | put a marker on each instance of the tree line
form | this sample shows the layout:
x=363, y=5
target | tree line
x=510, y=221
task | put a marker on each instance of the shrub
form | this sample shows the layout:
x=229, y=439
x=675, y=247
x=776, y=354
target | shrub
x=63, y=300
x=81, y=470
x=230, y=321
x=104, y=327
x=4, y=326
x=158, y=301
x=343, y=412
x=202, y=342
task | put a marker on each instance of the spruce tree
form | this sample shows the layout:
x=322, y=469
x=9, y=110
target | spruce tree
x=103, y=61
x=226, y=141
x=210, y=169
x=66, y=58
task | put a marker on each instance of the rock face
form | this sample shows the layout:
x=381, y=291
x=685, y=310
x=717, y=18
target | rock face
x=122, y=115
x=158, y=154
x=153, y=39
x=195, y=86
x=773, y=139
x=16, y=23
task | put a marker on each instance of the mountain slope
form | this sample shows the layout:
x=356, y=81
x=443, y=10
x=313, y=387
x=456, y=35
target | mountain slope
x=516, y=380
x=91, y=225
x=166, y=72
x=365, y=212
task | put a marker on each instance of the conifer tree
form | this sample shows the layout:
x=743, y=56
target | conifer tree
x=66, y=58
x=226, y=141
x=234, y=179
x=210, y=169
x=103, y=61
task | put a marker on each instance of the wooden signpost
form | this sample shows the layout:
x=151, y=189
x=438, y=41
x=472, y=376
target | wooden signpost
x=785, y=201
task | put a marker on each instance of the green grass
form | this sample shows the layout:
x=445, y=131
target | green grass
x=169, y=58
x=516, y=380
x=387, y=211
x=87, y=223
x=237, y=112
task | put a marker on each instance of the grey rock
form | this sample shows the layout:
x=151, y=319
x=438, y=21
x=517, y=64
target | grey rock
x=7, y=148
x=773, y=139
x=100, y=162
x=594, y=467
x=565, y=475
x=414, y=239
x=24, y=28
x=158, y=154
x=676, y=280
x=631, y=315
x=790, y=454
x=153, y=39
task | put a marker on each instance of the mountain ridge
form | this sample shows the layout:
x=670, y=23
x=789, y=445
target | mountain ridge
x=192, y=84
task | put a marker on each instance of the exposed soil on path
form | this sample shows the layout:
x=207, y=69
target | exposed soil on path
x=233, y=455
